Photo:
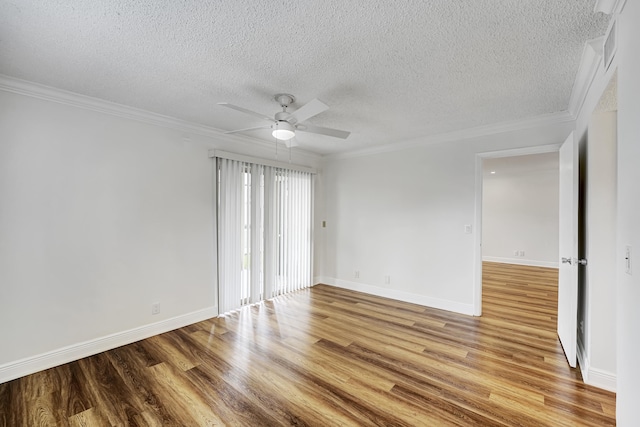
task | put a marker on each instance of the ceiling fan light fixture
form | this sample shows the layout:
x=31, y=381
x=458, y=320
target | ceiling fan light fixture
x=283, y=131
x=285, y=124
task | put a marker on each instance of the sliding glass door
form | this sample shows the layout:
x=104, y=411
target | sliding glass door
x=264, y=231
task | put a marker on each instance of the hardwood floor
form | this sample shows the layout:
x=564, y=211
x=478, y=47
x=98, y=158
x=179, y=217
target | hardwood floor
x=327, y=356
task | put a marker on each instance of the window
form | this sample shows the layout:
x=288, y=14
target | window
x=264, y=231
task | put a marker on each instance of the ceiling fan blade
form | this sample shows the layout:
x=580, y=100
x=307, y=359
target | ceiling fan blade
x=308, y=110
x=293, y=142
x=247, y=129
x=244, y=110
x=324, y=131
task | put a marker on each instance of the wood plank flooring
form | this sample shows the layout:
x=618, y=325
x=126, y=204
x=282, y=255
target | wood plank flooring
x=327, y=356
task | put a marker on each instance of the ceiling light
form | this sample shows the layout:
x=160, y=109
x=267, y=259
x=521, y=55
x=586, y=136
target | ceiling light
x=493, y=172
x=283, y=131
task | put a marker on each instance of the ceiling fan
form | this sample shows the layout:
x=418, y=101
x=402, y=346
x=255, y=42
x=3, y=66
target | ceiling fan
x=285, y=124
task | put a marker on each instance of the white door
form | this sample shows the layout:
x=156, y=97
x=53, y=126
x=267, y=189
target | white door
x=568, y=250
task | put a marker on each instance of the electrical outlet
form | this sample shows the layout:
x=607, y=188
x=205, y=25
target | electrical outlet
x=521, y=253
x=387, y=280
x=516, y=252
x=356, y=274
x=155, y=308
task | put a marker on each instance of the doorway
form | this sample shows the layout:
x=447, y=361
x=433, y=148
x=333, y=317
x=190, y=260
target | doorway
x=520, y=210
x=512, y=175
x=520, y=239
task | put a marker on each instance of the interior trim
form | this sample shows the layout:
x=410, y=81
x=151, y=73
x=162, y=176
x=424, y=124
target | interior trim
x=464, y=134
x=30, y=365
x=51, y=94
x=395, y=294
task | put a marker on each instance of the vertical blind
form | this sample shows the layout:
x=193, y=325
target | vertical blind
x=264, y=232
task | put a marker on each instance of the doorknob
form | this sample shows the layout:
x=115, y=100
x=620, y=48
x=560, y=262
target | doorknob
x=566, y=260
x=582, y=261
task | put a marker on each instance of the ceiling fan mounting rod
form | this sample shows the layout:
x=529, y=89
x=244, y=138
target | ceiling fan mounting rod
x=285, y=100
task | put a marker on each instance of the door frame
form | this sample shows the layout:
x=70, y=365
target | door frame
x=477, y=286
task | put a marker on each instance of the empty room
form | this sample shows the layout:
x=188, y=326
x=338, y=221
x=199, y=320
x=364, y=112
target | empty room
x=262, y=213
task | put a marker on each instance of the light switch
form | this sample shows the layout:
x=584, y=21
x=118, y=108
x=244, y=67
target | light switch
x=468, y=229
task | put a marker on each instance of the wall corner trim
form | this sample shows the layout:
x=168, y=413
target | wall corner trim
x=30, y=365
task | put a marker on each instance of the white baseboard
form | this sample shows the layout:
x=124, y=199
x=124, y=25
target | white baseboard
x=593, y=376
x=401, y=296
x=602, y=379
x=30, y=365
x=317, y=280
x=521, y=261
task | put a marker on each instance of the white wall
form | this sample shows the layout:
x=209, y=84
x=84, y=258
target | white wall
x=600, y=342
x=598, y=347
x=520, y=210
x=100, y=216
x=628, y=214
x=402, y=214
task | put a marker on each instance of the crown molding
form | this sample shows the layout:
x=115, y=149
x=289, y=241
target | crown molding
x=618, y=7
x=609, y=7
x=605, y=6
x=589, y=63
x=464, y=134
x=47, y=93
x=536, y=149
x=60, y=96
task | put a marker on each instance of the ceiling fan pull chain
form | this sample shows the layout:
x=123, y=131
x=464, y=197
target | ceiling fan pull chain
x=276, y=139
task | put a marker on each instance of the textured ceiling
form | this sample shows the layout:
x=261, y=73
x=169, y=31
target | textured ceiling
x=390, y=71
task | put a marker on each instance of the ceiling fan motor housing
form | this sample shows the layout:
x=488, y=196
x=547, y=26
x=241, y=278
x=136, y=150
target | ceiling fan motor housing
x=283, y=116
